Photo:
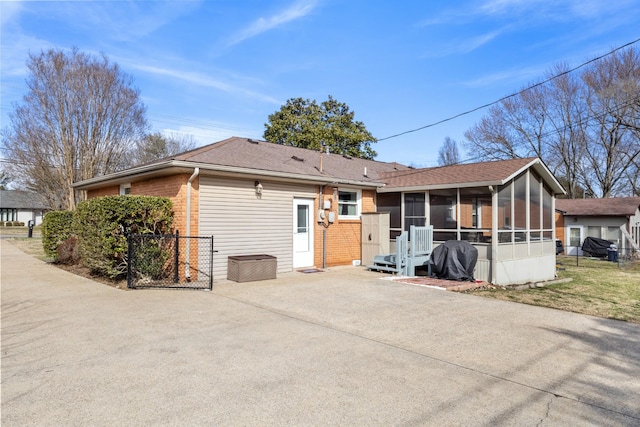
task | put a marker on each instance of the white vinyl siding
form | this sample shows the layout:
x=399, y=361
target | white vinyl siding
x=243, y=223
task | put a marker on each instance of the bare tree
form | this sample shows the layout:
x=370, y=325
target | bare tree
x=586, y=126
x=4, y=181
x=613, y=90
x=157, y=146
x=567, y=118
x=77, y=120
x=448, y=154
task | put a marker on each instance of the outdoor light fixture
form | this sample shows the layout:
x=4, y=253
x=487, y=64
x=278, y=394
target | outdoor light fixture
x=258, y=187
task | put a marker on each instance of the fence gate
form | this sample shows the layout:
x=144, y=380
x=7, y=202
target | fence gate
x=170, y=261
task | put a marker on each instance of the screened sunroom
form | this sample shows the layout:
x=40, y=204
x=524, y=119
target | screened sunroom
x=504, y=208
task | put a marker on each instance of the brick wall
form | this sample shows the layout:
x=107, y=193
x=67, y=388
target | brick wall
x=560, y=227
x=174, y=187
x=343, y=236
x=101, y=192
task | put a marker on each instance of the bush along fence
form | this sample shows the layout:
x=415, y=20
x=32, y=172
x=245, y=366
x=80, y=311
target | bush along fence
x=169, y=261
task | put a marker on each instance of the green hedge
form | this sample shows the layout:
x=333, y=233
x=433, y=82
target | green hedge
x=102, y=225
x=56, y=228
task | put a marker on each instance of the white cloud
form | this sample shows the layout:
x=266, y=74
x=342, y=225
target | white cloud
x=508, y=77
x=494, y=7
x=465, y=46
x=478, y=41
x=9, y=11
x=121, y=20
x=199, y=79
x=261, y=25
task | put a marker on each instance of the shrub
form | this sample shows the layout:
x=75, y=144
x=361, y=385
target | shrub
x=56, y=228
x=102, y=225
x=67, y=251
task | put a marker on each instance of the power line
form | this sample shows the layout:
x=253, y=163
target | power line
x=583, y=123
x=511, y=95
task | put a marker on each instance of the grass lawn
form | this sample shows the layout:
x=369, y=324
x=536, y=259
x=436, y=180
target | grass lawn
x=18, y=236
x=598, y=288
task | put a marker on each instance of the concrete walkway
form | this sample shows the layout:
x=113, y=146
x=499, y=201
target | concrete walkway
x=342, y=347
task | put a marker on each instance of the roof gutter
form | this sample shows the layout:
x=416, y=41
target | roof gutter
x=447, y=186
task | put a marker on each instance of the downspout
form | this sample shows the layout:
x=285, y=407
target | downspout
x=494, y=234
x=187, y=263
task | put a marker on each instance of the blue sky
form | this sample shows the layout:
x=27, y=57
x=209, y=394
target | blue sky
x=213, y=69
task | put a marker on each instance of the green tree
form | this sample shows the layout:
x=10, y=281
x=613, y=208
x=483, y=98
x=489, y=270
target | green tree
x=305, y=124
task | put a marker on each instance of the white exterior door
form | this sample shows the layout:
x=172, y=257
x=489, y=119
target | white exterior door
x=302, y=233
x=573, y=244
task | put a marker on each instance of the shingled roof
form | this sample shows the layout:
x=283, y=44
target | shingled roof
x=266, y=156
x=615, y=206
x=252, y=158
x=467, y=175
x=17, y=199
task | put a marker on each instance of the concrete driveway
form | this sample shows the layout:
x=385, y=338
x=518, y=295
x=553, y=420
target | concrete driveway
x=342, y=347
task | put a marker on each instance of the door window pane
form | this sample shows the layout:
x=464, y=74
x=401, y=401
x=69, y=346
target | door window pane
x=414, y=210
x=574, y=237
x=303, y=218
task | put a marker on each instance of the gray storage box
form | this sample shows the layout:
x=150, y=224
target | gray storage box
x=249, y=268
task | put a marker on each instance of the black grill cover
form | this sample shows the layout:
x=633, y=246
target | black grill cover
x=455, y=260
x=595, y=246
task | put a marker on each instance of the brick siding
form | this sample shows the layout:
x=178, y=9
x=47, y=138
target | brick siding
x=173, y=187
x=343, y=236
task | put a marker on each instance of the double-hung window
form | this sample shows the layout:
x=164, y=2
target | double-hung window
x=349, y=204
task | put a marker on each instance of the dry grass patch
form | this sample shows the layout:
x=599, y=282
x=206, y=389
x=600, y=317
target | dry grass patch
x=31, y=246
x=598, y=288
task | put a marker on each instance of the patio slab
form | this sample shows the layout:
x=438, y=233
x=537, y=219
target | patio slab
x=339, y=347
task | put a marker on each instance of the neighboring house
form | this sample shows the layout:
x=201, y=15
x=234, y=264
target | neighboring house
x=602, y=218
x=21, y=206
x=256, y=197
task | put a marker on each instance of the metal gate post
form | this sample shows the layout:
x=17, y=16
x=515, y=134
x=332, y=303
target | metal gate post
x=176, y=260
x=211, y=266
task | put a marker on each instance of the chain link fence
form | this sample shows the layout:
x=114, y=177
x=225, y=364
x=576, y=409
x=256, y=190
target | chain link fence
x=170, y=261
